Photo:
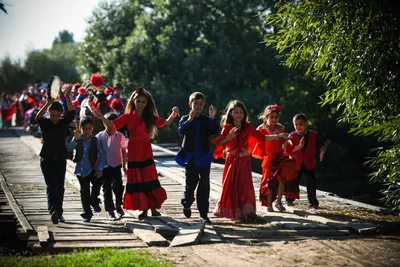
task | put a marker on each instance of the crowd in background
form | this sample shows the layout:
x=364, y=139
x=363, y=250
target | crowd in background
x=20, y=109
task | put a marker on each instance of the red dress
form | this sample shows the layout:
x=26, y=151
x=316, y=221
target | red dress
x=276, y=166
x=238, y=197
x=143, y=189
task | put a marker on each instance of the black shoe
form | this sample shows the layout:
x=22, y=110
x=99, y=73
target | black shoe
x=54, y=217
x=111, y=216
x=205, y=220
x=143, y=215
x=155, y=213
x=187, y=212
x=86, y=217
x=121, y=212
x=61, y=219
x=96, y=208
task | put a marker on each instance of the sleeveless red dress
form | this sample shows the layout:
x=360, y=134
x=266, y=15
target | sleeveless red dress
x=143, y=189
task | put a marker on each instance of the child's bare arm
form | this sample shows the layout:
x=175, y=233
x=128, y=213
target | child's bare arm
x=322, y=153
x=299, y=146
x=109, y=124
x=43, y=110
x=174, y=113
x=123, y=157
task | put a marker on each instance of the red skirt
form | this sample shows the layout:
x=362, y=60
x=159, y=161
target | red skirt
x=237, y=197
x=143, y=189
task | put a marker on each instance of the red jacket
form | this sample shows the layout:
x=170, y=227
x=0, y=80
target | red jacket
x=307, y=155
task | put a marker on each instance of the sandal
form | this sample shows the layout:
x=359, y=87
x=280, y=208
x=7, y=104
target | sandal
x=280, y=207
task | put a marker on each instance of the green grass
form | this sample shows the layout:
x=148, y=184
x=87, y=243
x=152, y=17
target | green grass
x=100, y=257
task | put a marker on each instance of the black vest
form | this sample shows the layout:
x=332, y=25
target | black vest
x=189, y=140
x=92, y=152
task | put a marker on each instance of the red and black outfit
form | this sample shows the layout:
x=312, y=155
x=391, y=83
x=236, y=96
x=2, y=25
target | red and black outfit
x=143, y=189
x=276, y=166
x=237, y=199
x=305, y=165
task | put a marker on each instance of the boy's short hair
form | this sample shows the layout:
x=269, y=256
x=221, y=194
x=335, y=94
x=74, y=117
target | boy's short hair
x=300, y=116
x=195, y=96
x=56, y=106
x=111, y=116
x=86, y=120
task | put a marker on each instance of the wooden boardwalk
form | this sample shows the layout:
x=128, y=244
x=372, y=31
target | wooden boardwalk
x=21, y=177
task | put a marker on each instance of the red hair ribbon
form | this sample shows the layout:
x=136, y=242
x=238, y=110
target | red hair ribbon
x=276, y=108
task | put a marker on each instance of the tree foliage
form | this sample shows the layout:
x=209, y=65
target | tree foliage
x=354, y=46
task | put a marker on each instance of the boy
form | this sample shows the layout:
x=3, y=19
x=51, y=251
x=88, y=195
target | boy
x=112, y=148
x=195, y=154
x=86, y=155
x=306, y=144
x=54, y=153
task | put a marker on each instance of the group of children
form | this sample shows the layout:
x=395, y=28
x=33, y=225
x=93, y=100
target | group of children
x=286, y=158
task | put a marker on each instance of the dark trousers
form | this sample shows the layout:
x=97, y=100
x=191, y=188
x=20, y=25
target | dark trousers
x=112, y=182
x=89, y=197
x=197, y=177
x=54, y=176
x=311, y=182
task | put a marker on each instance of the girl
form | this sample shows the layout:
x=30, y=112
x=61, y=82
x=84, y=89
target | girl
x=277, y=168
x=143, y=190
x=237, y=141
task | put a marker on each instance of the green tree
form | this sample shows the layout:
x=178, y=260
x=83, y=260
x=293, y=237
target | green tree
x=354, y=46
x=59, y=60
x=13, y=77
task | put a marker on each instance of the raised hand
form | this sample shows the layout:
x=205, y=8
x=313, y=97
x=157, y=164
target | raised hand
x=233, y=133
x=192, y=114
x=301, y=144
x=77, y=134
x=68, y=89
x=175, y=112
x=212, y=111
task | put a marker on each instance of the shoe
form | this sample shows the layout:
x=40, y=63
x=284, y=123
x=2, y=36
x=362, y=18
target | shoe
x=86, y=218
x=155, y=213
x=54, y=217
x=270, y=209
x=205, y=220
x=143, y=215
x=111, y=216
x=61, y=219
x=314, y=206
x=121, y=212
x=187, y=212
x=96, y=208
x=289, y=203
x=251, y=217
x=280, y=207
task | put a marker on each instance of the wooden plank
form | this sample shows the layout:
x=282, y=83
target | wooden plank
x=271, y=233
x=161, y=228
x=17, y=211
x=172, y=222
x=43, y=235
x=362, y=227
x=187, y=237
x=71, y=246
x=146, y=233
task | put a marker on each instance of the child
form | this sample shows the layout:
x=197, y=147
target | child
x=112, y=151
x=195, y=154
x=277, y=168
x=143, y=190
x=86, y=155
x=306, y=144
x=239, y=140
x=54, y=152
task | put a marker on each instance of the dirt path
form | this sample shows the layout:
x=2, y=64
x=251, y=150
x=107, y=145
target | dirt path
x=380, y=251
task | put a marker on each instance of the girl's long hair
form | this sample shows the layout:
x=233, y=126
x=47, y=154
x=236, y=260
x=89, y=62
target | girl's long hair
x=150, y=111
x=227, y=117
